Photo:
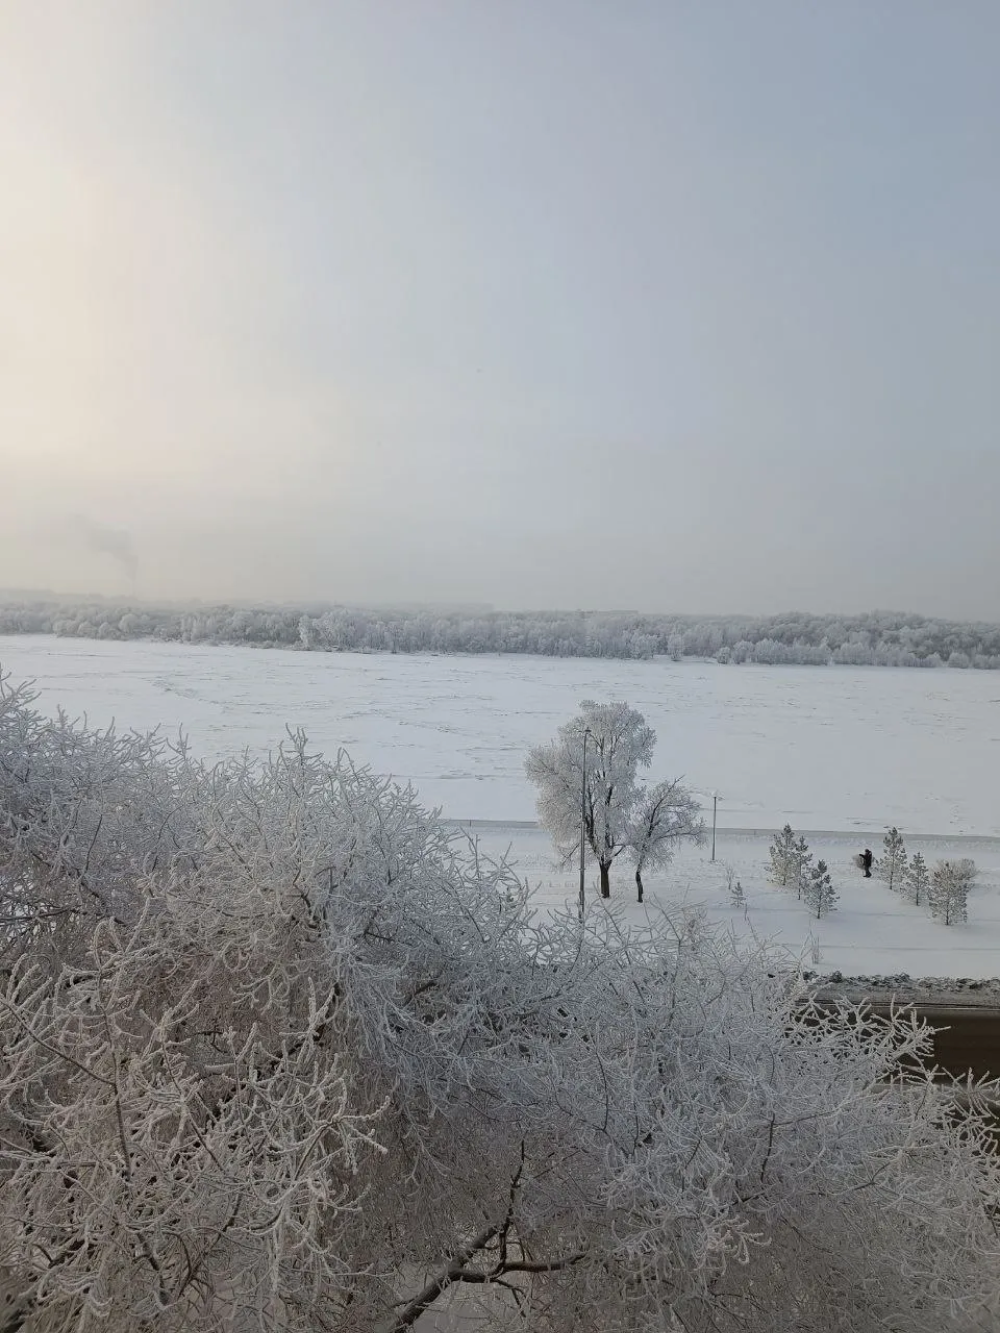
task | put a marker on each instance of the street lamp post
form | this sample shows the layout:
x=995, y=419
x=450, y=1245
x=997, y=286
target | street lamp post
x=715, y=811
x=583, y=819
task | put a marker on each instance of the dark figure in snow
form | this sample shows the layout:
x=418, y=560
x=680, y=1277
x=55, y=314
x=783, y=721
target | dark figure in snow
x=866, y=861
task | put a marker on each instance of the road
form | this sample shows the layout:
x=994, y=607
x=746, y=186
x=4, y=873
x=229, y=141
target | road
x=964, y=1038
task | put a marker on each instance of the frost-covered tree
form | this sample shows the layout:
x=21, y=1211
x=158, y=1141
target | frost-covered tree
x=878, y=638
x=917, y=879
x=948, y=896
x=276, y=1052
x=790, y=860
x=784, y=858
x=891, y=865
x=734, y=888
x=802, y=864
x=663, y=816
x=818, y=890
x=617, y=812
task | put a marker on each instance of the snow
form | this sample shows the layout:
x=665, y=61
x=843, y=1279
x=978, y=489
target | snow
x=838, y=752
x=825, y=748
x=873, y=932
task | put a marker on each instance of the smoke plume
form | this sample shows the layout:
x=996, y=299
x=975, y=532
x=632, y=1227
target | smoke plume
x=115, y=542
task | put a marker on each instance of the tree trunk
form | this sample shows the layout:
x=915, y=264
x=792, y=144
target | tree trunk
x=605, y=879
x=638, y=882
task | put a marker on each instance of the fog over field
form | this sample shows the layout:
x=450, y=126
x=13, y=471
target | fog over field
x=652, y=306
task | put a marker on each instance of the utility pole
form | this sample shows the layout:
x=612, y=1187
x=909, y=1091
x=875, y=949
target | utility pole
x=715, y=812
x=583, y=819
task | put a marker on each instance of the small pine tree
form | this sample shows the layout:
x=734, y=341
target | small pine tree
x=917, y=879
x=891, y=865
x=818, y=890
x=733, y=886
x=784, y=865
x=948, y=897
x=803, y=865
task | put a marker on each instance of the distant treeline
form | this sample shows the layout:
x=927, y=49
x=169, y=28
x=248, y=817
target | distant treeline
x=877, y=638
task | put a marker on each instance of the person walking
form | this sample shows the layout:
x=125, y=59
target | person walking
x=866, y=861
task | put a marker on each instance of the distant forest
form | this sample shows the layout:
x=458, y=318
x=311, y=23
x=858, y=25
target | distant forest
x=876, y=638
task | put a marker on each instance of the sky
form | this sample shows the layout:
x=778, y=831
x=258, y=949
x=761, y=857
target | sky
x=678, y=306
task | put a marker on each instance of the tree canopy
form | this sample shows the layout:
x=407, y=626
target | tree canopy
x=588, y=780
x=873, y=638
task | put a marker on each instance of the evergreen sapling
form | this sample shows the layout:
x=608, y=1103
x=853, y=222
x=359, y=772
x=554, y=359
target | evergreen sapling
x=818, y=890
x=917, y=879
x=803, y=865
x=783, y=859
x=891, y=865
x=733, y=886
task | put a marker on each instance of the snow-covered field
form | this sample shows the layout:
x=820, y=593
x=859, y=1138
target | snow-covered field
x=847, y=750
x=826, y=748
x=873, y=932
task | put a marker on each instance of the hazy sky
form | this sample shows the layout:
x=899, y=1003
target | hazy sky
x=681, y=305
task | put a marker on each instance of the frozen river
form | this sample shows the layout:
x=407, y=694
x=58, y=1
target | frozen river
x=836, y=748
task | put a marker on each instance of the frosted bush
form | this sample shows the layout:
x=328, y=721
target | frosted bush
x=272, y=1044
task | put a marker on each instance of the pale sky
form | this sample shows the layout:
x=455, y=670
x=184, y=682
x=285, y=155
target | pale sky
x=680, y=305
